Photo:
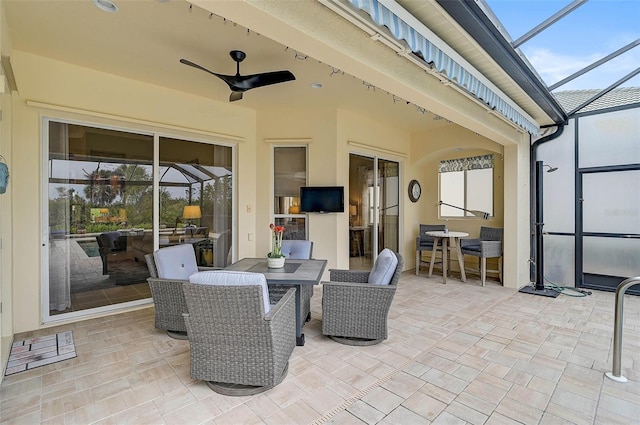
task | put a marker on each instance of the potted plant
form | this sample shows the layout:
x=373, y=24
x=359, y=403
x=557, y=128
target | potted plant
x=275, y=258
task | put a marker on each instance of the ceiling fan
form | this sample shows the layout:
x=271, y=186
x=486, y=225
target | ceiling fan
x=241, y=83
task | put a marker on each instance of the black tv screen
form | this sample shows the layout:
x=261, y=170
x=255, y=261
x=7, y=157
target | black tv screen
x=322, y=199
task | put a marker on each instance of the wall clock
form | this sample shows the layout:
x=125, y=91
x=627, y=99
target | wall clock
x=414, y=190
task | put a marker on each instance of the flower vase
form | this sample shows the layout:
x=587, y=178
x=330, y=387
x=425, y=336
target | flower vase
x=275, y=263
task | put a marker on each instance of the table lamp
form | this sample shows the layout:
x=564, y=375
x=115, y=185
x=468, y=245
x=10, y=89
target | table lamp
x=191, y=212
x=294, y=209
x=353, y=211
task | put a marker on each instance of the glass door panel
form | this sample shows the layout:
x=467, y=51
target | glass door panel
x=388, y=205
x=374, y=198
x=196, y=188
x=99, y=200
x=362, y=217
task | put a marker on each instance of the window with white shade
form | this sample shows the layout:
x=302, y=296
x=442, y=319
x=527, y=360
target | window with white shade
x=466, y=186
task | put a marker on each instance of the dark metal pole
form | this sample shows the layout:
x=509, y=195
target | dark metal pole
x=539, y=223
x=539, y=288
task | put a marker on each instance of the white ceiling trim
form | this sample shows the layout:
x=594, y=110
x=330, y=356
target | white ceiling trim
x=376, y=149
x=121, y=118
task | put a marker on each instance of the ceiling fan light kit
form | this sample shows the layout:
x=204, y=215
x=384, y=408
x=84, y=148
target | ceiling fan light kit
x=106, y=5
x=241, y=83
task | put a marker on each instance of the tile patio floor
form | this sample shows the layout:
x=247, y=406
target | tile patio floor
x=456, y=354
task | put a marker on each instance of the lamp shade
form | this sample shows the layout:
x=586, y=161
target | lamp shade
x=353, y=209
x=191, y=212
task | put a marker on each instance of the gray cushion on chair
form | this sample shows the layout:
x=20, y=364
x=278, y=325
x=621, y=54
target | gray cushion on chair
x=176, y=262
x=384, y=268
x=234, y=278
x=297, y=249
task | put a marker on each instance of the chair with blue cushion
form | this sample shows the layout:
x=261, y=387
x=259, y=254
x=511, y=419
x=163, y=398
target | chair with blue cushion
x=425, y=243
x=487, y=245
x=296, y=250
x=355, y=303
x=169, y=269
x=239, y=343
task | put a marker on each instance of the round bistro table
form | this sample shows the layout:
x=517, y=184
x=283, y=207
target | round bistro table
x=445, y=239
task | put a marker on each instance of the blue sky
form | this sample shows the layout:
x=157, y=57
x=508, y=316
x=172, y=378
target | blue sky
x=594, y=30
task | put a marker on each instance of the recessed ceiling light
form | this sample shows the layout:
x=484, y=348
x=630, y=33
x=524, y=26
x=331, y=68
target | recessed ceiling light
x=106, y=5
x=317, y=85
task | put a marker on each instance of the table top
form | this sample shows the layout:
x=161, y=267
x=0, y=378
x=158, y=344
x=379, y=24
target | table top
x=305, y=272
x=441, y=234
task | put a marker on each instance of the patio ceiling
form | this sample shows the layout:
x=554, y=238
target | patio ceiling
x=144, y=41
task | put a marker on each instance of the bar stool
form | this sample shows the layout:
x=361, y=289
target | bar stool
x=357, y=242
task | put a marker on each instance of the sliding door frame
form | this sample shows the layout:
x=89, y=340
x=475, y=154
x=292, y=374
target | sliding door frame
x=139, y=129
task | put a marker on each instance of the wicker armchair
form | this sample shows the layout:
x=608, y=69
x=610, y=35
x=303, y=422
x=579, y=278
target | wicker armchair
x=237, y=348
x=424, y=242
x=488, y=245
x=355, y=312
x=168, y=296
x=298, y=250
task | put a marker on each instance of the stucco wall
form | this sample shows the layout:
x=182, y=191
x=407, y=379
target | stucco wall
x=317, y=130
x=5, y=206
x=327, y=134
x=59, y=90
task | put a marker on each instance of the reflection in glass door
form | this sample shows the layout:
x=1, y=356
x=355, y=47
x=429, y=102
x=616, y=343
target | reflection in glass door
x=99, y=198
x=101, y=211
x=389, y=205
x=374, y=199
x=196, y=199
x=610, y=228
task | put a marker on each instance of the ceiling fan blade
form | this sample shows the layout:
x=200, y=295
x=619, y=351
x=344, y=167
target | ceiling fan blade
x=247, y=82
x=235, y=95
x=195, y=65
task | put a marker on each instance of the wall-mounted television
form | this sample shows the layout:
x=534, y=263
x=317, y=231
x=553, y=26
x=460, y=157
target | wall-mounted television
x=321, y=199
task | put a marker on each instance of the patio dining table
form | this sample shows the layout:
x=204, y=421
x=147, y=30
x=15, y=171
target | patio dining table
x=295, y=273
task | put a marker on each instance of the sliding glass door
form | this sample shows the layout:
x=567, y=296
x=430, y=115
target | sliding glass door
x=374, y=198
x=108, y=204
